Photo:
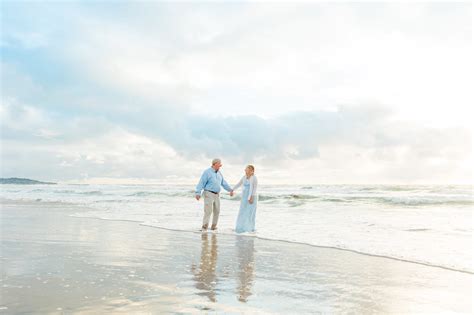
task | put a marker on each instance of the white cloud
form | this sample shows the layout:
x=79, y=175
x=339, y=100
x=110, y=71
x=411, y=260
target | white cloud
x=353, y=145
x=308, y=92
x=263, y=59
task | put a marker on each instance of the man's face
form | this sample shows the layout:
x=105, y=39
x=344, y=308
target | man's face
x=217, y=166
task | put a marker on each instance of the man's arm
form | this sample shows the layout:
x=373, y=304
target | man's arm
x=225, y=185
x=202, y=183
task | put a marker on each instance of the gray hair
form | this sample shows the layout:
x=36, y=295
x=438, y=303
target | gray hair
x=216, y=161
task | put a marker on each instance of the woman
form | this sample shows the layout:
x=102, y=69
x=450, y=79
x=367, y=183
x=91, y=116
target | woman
x=248, y=203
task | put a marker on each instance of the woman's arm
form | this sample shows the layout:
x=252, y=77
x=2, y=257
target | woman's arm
x=239, y=183
x=253, y=188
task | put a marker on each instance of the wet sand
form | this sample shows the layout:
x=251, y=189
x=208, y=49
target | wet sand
x=54, y=263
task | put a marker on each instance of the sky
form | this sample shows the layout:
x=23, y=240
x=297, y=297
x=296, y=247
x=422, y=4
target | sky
x=308, y=92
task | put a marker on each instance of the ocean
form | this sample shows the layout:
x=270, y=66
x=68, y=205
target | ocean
x=424, y=224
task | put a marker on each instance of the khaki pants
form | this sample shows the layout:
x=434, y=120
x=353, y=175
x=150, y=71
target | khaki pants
x=212, y=204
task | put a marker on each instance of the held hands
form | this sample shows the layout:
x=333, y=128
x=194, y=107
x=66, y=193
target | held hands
x=231, y=193
x=251, y=199
x=198, y=197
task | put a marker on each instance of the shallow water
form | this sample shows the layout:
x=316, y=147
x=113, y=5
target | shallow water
x=399, y=221
x=55, y=263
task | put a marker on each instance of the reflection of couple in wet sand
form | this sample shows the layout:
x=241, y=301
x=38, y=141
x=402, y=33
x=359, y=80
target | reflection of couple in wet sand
x=205, y=274
x=209, y=187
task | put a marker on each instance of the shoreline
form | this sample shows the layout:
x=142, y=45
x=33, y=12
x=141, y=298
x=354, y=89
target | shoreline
x=53, y=262
x=307, y=244
x=141, y=223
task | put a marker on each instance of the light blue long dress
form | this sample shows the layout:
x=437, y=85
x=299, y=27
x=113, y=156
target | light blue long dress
x=246, y=218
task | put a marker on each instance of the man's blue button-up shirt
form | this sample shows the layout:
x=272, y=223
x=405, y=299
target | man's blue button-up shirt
x=212, y=181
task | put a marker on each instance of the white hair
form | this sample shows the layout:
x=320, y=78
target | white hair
x=216, y=161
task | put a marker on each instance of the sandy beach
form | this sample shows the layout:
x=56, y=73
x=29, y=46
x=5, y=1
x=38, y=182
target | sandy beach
x=54, y=263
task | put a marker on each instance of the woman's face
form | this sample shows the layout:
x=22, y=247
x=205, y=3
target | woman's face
x=248, y=171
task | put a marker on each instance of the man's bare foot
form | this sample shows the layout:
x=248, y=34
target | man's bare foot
x=204, y=227
x=214, y=227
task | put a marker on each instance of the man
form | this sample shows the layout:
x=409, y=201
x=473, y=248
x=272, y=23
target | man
x=209, y=186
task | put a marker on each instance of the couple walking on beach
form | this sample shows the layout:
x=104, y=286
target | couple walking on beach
x=209, y=187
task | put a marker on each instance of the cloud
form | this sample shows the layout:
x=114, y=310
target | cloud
x=301, y=57
x=305, y=91
x=357, y=144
